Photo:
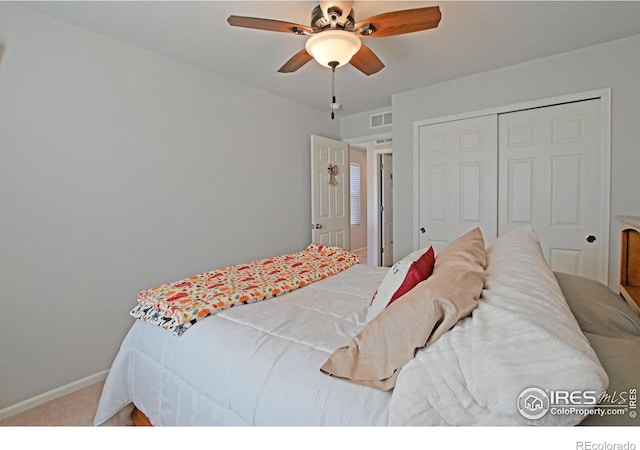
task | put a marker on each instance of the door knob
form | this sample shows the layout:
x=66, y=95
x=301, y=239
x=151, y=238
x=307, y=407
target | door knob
x=591, y=238
x=422, y=230
x=318, y=226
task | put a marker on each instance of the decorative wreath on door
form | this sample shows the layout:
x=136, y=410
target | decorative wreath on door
x=333, y=171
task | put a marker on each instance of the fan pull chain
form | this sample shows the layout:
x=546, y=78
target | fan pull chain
x=333, y=91
x=333, y=65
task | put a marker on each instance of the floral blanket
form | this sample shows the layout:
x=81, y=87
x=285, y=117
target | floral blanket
x=177, y=306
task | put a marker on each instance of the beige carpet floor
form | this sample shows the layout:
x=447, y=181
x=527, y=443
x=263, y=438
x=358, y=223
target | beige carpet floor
x=75, y=409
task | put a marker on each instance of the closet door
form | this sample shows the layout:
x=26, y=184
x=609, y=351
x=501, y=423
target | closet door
x=551, y=178
x=457, y=188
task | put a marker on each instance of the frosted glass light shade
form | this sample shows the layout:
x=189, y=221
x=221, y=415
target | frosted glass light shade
x=333, y=45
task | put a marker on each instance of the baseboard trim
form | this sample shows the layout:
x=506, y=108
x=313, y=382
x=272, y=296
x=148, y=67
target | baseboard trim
x=52, y=394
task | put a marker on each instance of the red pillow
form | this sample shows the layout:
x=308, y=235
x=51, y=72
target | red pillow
x=401, y=278
x=420, y=270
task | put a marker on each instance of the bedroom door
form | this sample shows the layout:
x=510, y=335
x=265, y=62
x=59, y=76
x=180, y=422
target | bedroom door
x=330, y=202
x=386, y=209
x=551, y=166
x=457, y=187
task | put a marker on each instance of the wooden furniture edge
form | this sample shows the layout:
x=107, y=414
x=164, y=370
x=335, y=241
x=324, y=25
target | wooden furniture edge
x=629, y=286
x=140, y=419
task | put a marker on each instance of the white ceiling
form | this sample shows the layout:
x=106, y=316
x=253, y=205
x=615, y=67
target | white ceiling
x=472, y=37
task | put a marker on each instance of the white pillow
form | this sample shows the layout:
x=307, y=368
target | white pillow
x=400, y=279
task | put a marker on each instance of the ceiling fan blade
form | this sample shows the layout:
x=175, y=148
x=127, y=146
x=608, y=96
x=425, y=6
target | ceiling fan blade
x=366, y=61
x=401, y=22
x=268, y=25
x=298, y=60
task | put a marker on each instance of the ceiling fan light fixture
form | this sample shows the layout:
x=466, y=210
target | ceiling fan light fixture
x=332, y=46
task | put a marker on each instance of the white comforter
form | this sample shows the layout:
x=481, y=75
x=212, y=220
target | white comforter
x=255, y=364
x=521, y=335
x=259, y=364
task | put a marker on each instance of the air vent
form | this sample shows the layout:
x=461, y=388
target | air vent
x=384, y=141
x=381, y=120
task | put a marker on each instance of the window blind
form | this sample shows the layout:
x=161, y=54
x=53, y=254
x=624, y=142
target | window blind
x=354, y=187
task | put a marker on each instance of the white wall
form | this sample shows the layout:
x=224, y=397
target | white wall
x=615, y=65
x=359, y=125
x=121, y=169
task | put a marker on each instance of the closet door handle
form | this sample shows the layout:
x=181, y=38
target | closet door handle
x=591, y=238
x=422, y=230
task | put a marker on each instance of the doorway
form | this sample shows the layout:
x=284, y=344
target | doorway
x=375, y=146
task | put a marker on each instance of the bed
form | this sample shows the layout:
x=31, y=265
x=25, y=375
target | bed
x=490, y=358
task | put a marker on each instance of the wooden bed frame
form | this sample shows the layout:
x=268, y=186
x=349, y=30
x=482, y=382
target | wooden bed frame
x=140, y=419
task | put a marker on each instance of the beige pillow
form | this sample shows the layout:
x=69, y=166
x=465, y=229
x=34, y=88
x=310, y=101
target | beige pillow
x=466, y=252
x=376, y=354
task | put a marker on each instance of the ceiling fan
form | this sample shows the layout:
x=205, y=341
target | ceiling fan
x=334, y=34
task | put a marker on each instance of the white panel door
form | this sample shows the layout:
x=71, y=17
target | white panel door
x=551, y=178
x=386, y=213
x=457, y=180
x=330, y=202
